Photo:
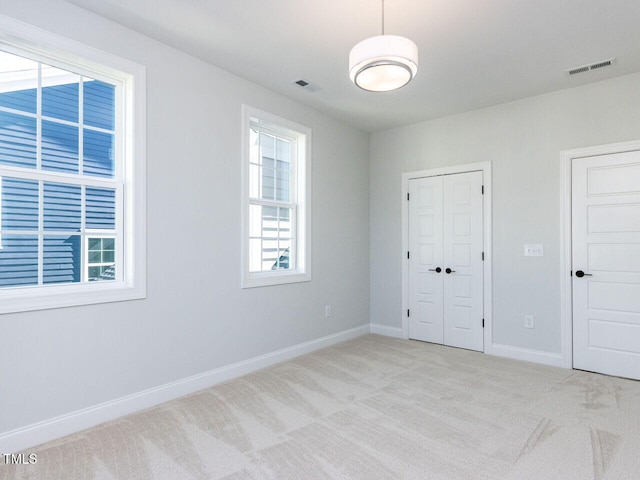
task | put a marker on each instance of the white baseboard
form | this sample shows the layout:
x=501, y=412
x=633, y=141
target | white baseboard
x=385, y=330
x=536, y=356
x=35, y=434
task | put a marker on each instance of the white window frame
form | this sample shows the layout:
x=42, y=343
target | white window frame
x=20, y=38
x=300, y=201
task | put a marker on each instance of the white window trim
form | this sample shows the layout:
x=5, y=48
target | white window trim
x=302, y=272
x=46, y=46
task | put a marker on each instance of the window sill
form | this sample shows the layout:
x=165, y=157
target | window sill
x=266, y=279
x=24, y=299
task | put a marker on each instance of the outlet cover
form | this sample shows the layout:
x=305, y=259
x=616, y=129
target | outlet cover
x=528, y=321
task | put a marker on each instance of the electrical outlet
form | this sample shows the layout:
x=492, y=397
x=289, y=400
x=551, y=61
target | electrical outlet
x=327, y=311
x=528, y=321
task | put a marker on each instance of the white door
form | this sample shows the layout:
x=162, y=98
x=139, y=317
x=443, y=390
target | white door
x=606, y=263
x=425, y=259
x=445, y=260
x=463, y=278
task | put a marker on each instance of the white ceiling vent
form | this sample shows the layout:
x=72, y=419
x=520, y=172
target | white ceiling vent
x=593, y=66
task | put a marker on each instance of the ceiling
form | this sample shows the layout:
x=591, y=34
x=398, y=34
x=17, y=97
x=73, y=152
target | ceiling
x=473, y=53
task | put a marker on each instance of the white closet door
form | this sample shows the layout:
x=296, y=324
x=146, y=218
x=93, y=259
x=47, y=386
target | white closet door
x=446, y=232
x=463, y=246
x=606, y=263
x=425, y=246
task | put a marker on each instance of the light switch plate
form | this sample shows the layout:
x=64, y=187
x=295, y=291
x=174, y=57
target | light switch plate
x=534, y=250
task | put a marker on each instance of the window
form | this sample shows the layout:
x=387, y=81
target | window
x=276, y=200
x=71, y=173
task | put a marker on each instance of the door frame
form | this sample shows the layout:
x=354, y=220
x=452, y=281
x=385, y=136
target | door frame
x=566, y=287
x=485, y=168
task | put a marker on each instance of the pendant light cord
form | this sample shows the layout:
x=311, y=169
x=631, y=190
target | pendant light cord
x=382, y=17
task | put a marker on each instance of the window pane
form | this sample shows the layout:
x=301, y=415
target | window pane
x=254, y=181
x=255, y=260
x=99, y=104
x=283, y=150
x=18, y=260
x=94, y=273
x=283, y=185
x=270, y=167
x=100, y=208
x=17, y=140
x=102, y=273
x=61, y=207
x=284, y=223
x=108, y=243
x=268, y=178
x=283, y=165
x=18, y=82
x=62, y=259
x=267, y=156
x=95, y=244
x=19, y=204
x=270, y=238
x=255, y=220
x=98, y=153
x=269, y=220
x=108, y=256
x=60, y=97
x=267, y=147
x=59, y=147
x=282, y=262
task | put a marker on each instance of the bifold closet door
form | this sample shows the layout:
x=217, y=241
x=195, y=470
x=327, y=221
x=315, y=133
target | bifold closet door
x=445, y=260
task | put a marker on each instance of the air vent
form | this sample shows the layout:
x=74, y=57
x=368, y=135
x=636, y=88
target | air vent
x=593, y=66
x=606, y=63
x=306, y=85
x=575, y=71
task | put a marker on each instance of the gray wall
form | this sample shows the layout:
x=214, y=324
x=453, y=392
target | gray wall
x=196, y=317
x=523, y=141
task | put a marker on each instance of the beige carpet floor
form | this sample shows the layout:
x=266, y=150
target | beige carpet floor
x=371, y=408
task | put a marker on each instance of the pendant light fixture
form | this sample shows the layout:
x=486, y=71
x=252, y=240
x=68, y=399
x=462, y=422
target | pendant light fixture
x=384, y=62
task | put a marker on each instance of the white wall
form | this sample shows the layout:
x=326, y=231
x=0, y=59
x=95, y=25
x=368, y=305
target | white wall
x=523, y=140
x=196, y=317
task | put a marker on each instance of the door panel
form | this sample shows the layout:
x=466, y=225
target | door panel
x=606, y=246
x=425, y=245
x=614, y=256
x=613, y=218
x=611, y=336
x=463, y=287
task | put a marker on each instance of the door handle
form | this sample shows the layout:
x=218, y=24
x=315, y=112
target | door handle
x=580, y=274
x=437, y=269
x=448, y=270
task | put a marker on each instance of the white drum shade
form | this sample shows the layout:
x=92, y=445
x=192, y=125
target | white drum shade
x=383, y=63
